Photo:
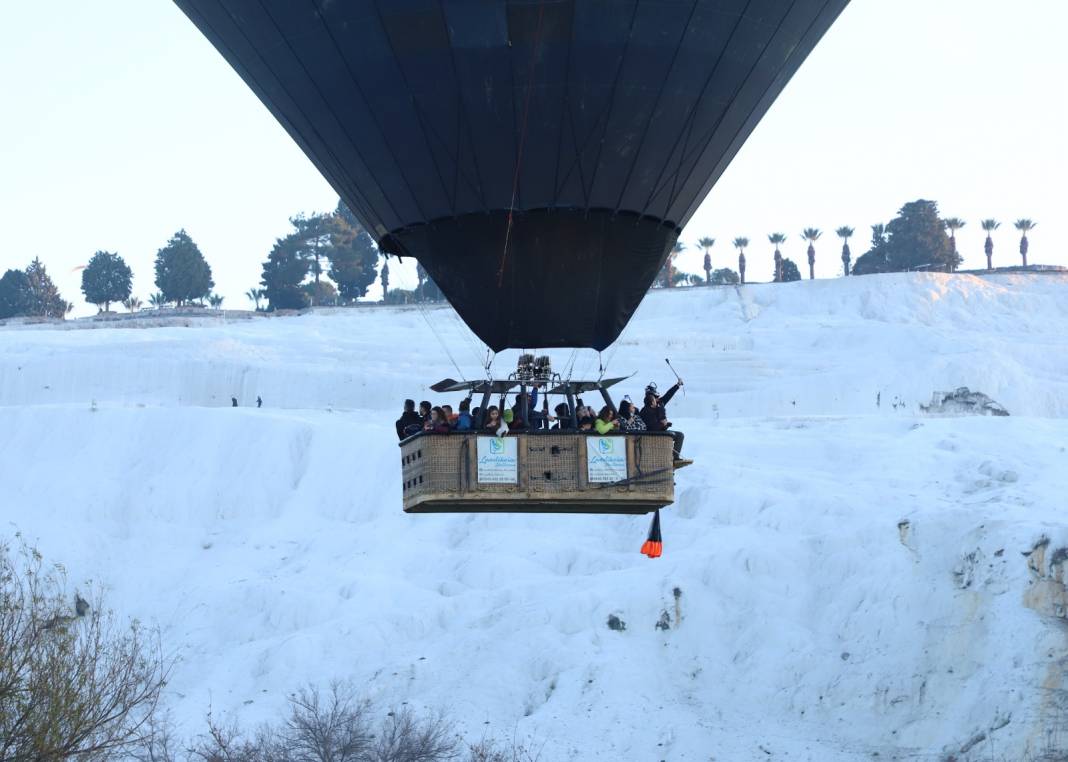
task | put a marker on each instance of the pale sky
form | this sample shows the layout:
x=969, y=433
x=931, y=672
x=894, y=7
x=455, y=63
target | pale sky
x=121, y=124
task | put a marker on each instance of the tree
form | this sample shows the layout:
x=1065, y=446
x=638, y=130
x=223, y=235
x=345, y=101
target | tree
x=953, y=224
x=1024, y=226
x=45, y=300
x=157, y=300
x=428, y=290
x=789, y=271
x=353, y=256
x=914, y=240
x=132, y=304
x=874, y=260
x=724, y=277
x=845, y=233
x=74, y=684
x=666, y=277
x=315, y=233
x=322, y=293
x=15, y=294
x=811, y=235
x=989, y=226
x=706, y=244
x=777, y=239
x=254, y=295
x=740, y=244
x=216, y=301
x=106, y=279
x=283, y=273
x=384, y=275
x=182, y=273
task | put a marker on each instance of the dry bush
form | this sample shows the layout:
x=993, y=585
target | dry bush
x=74, y=684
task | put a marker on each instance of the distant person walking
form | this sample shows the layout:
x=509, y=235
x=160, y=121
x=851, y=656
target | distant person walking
x=233, y=402
x=259, y=401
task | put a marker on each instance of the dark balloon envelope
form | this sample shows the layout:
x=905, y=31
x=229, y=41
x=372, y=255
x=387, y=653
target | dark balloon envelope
x=597, y=126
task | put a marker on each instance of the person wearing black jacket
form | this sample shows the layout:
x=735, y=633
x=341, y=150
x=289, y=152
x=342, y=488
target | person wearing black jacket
x=654, y=414
x=409, y=418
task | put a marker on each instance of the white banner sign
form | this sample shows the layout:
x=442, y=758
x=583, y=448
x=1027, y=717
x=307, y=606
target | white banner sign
x=498, y=460
x=606, y=459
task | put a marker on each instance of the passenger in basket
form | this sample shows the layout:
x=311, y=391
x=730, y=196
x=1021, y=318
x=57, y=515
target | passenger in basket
x=629, y=420
x=585, y=419
x=450, y=417
x=654, y=414
x=410, y=421
x=463, y=419
x=606, y=422
x=563, y=417
x=424, y=410
x=493, y=420
x=437, y=423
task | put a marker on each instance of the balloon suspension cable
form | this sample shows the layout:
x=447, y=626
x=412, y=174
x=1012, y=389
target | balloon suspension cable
x=522, y=142
x=677, y=376
x=600, y=366
x=654, y=545
x=441, y=342
x=488, y=365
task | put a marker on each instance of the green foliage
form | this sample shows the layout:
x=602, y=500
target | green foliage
x=789, y=270
x=706, y=243
x=740, y=244
x=776, y=239
x=216, y=301
x=321, y=293
x=811, y=234
x=399, y=296
x=45, y=300
x=915, y=239
x=1024, y=225
x=15, y=294
x=428, y=290
x=283, y=273
x=953, y=224
x=157, y=300
x=182, y=273
x=989, y=226
x=845, y=232
x=724, y=277
x=106, y=279
x=353, y=262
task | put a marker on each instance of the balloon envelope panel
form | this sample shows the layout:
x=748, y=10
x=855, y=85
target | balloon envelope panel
x=598, y=126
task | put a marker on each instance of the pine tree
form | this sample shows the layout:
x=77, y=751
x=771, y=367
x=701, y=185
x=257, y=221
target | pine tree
x=15, y=294
x=182, y=273
x=318, y=235
x=283, y=273
x=45, y=300
x=106, y=279
x=353, y=255
x=875, y=259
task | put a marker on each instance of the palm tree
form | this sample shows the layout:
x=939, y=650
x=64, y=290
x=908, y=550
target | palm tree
x=1023, y=226
x=157, y=300
x=953, y=224
x=776, y=239
x=811, y=235
x=706, y=244
x=133, y=304
x=989, y=226
x=215, y=301
x=844, y=233
x=740, y=244
x=254, y=295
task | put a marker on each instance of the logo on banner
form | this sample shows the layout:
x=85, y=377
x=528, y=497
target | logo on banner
x=606, y=460
x=498, y=460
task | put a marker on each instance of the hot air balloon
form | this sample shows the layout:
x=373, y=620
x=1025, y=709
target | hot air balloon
x=538, y=157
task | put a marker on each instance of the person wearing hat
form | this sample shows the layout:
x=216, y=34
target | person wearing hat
x=654, y=414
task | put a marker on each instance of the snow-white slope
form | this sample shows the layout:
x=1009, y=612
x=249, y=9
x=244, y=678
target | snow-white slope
x=850, y=570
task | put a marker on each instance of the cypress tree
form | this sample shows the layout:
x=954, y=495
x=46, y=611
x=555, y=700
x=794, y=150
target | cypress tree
x=45, y=300
x=182, y=273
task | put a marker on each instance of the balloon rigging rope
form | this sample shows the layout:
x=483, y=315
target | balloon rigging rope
x=441, y=341
x=522, y=141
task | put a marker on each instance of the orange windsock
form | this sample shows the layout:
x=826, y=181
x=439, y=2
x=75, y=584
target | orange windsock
x=654, y=545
